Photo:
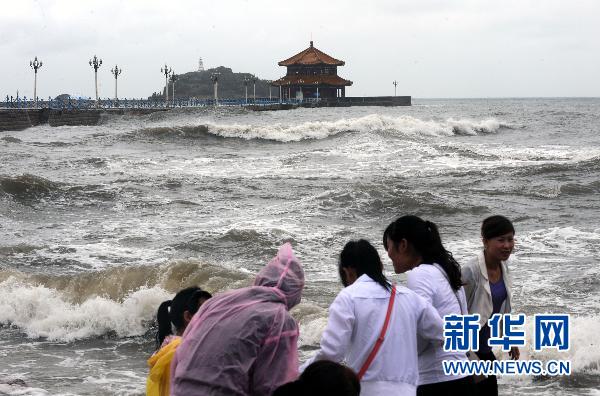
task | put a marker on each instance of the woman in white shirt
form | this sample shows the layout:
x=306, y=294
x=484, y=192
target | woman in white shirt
x=357, y=317
x=414, y=245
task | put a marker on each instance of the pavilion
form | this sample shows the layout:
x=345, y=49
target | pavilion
x=312, y=74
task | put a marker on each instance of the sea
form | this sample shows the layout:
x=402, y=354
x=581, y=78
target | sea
x=100, y=224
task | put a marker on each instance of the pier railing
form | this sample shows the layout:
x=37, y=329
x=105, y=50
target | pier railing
x=81, y=103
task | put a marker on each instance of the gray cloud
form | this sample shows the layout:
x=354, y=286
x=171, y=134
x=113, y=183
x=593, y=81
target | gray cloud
x=433, y=48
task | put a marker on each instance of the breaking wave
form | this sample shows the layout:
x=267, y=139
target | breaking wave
x=118, y=302
x=315, y=130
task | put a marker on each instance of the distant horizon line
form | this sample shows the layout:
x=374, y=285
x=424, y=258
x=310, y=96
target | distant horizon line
x=505, y=97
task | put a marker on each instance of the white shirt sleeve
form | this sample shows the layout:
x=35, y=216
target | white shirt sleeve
x=429, y=325
x=335, y=340
x=417, y=281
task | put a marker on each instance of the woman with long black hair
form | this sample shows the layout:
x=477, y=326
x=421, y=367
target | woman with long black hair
x=175, y=315
x=373, y=325
x=415, y=246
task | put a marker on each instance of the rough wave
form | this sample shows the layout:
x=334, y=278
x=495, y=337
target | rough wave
x=10, y=139
x=315, y=130
x=120, y=301
x=390, y=196
x=21, y=248
x=43, y=312
x=116, y=283
x=580, y=188
x=404, y=125
x=586, y=163
x=171, y=132
x=27, y=186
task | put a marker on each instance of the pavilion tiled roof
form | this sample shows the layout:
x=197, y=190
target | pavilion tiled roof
x=311, y=56
x=317, y=79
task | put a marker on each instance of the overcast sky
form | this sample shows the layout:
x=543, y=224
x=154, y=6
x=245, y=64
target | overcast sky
x=433, y=48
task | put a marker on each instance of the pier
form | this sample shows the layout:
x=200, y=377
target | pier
x=21, y=114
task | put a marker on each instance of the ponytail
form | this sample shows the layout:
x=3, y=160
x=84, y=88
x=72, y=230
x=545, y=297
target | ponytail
x=363, y=257
x=171, y=312
x=425, y=238
x=163, y=319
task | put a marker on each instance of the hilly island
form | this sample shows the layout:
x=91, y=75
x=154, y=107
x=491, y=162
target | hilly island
x=198, y=84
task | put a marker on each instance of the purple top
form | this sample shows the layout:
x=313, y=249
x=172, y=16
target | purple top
x=498, y=290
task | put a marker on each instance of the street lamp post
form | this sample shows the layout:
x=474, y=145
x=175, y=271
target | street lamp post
x=300, y=82
x=35, y=65
x=270, y=86
x=173, y=78
x=166, y=71
x=115, y=72
x=395, y=85
x=254, y=79
x=246, y=79
x=215, y=79
x=96, y=63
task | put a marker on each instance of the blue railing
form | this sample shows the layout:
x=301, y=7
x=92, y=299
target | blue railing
x=69, y=104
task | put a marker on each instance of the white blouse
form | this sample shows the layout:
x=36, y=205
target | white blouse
x=430, y=283
x=356, y=317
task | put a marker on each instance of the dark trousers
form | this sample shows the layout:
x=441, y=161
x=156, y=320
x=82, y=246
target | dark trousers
x=458, y=387
x=489, y=386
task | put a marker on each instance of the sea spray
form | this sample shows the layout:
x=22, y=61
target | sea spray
x=44, y=312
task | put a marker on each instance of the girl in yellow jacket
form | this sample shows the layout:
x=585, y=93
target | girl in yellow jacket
x=172, y=315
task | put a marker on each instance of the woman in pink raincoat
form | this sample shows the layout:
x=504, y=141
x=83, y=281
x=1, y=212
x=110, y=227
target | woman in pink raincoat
x=244, y=342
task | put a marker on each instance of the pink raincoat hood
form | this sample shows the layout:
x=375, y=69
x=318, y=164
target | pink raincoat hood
x=285, y=274
x=244, y=342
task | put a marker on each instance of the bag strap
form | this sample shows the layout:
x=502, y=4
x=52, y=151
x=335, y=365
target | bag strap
x=381, y=337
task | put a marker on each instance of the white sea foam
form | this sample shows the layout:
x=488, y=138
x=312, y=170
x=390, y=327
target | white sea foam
x=403, y=125
x=312, y=320
x=16, y=390
x=568, y=241
x=584, y=353
x=122, y=382
x=43, y=312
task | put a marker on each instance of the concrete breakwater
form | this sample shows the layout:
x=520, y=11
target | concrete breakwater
x=19, y=119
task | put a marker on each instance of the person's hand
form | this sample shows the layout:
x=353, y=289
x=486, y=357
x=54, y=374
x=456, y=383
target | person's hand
x=514, y=353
